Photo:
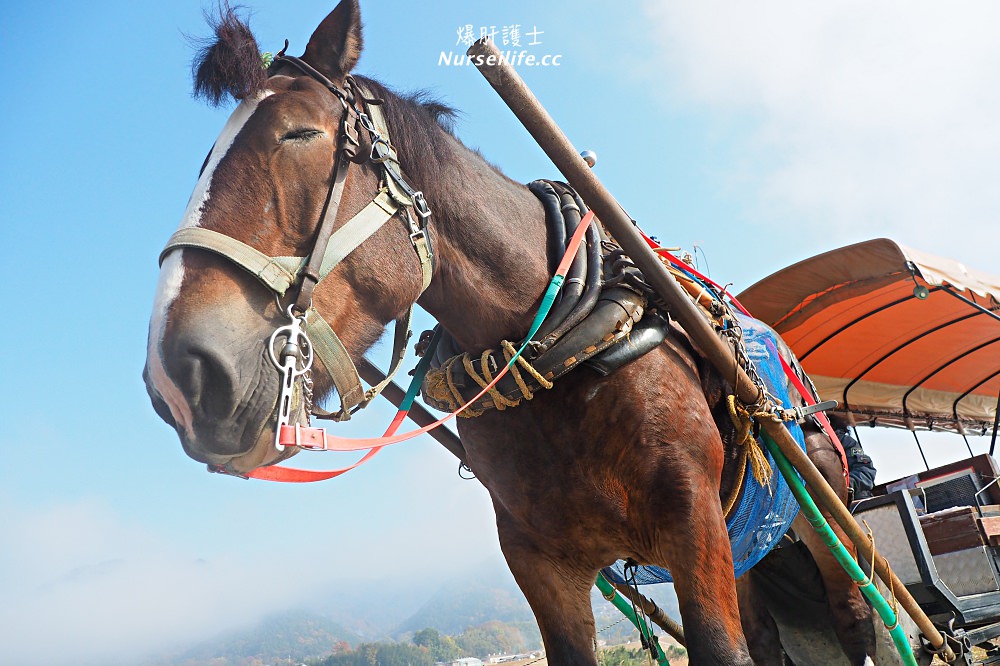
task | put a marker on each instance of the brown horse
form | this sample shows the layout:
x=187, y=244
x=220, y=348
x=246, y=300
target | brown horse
x=631, y=465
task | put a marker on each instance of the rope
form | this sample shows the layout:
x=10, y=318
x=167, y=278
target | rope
x=441, y=384
x=735, y=492
x=743, y=422
x=453, y=392
x=499, y=400
x=509, y=351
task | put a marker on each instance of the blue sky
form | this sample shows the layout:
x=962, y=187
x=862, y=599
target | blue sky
x=761, y=132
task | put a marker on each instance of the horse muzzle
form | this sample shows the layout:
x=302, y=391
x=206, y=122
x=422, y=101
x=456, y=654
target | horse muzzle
x=222, y=402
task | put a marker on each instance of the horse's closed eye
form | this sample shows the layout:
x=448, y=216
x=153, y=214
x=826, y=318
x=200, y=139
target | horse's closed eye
x=302, y=134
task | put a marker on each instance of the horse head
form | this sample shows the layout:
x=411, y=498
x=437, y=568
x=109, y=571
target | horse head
x=268, y=184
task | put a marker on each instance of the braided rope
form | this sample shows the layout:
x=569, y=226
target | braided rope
x=508, y=352
x=441, y=385
x=894, y=604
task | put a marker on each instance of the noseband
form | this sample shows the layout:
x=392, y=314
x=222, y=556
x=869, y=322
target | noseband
x=308, y=335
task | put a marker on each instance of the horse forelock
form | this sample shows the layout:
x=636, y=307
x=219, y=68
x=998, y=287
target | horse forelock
x=228, y=65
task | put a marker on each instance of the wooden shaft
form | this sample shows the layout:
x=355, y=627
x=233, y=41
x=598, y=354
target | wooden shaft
x=652, y=611
x=515, y=93
x=505, y=80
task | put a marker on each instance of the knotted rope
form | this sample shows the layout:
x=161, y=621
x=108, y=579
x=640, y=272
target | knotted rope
x=441, y=385
x=743, y=422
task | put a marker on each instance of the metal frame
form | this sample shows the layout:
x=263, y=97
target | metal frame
x=932, y=593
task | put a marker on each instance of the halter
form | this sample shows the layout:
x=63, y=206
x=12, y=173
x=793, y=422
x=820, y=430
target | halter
x=308, y=335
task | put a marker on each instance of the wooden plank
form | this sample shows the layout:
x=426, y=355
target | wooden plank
x=990, y=527
x=951, y=530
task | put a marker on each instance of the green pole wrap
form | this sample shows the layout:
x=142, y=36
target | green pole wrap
x=852, y=568
x=619, y=602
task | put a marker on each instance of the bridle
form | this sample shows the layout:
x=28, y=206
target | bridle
x=308, y=335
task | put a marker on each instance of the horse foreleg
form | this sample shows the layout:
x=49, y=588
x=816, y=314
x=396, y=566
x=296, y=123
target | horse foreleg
x=759, y=627
x=558, y=590
x=852, y=617
x=700, y=557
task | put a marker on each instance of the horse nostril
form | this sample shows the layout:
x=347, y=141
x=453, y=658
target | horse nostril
x=208, y=377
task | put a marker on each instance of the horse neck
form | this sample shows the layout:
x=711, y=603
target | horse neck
x=489, y=244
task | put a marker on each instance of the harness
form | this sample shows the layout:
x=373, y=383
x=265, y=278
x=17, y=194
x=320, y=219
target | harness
x=604, y=318
x=308, y=335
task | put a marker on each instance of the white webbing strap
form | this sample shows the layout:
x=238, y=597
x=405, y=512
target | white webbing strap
x=357, y=230
x=278, y=273
x=338, y=363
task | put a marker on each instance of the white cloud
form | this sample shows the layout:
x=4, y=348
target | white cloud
x=80, y=584
x=873, y=118
x=82, y=587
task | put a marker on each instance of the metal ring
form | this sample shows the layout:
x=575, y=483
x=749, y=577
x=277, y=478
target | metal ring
x=307, y=349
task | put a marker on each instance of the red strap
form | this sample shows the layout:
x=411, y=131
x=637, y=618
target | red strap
x=317, y=439
x=689, y=269
x=807, y=397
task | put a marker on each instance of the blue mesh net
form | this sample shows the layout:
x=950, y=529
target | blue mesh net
x=763, y=514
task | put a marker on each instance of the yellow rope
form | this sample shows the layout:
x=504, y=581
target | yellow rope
x=456, y=397
x=439, y=385
x=743, y=421
x=735, y=492
x=508, y=351
x=499, y=400
x=871, y=576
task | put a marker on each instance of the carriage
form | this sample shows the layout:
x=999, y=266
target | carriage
x=907, y=340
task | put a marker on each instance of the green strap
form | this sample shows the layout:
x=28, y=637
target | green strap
x=625, y=608
x=278, y=273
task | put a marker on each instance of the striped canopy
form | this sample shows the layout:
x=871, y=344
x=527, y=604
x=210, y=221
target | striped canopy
x=898, y=337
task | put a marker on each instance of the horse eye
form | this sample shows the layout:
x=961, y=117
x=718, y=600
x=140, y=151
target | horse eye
x=302, y=134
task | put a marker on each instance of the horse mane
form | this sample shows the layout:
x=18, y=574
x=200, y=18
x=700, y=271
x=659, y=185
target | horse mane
x=410, y=116
x=414, y=108
x=229, y=65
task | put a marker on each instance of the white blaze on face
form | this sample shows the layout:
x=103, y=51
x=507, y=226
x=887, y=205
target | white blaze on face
x=172, y=270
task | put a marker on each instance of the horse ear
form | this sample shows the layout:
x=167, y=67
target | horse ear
x=335, y=46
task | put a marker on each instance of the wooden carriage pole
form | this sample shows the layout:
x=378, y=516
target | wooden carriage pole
x=508, y=84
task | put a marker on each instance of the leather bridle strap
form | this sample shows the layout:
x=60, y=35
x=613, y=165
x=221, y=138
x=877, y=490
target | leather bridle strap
x=277, y=273
x=346, y=151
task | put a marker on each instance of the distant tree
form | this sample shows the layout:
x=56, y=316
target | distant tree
x=440, y=647
x=382, y=654
x=490, y=638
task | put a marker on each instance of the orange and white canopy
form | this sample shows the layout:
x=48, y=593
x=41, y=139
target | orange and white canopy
x=891, y=353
